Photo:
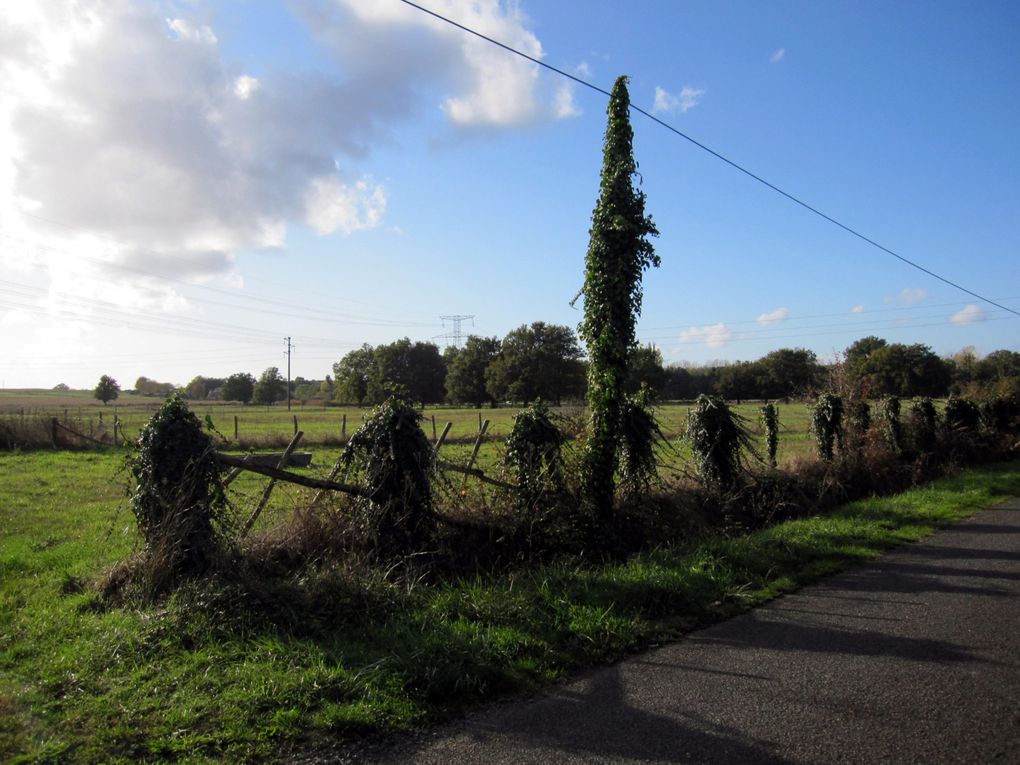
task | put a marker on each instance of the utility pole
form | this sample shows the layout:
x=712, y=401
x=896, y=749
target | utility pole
x=456, y=335
x=289, y=348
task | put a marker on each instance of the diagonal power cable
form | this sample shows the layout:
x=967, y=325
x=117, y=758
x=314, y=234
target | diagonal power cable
x=714, y=153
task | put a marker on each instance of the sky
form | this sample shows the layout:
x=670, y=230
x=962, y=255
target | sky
x=185, y=184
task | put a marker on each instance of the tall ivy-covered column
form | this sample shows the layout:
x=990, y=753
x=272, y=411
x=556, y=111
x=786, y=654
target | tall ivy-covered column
x=618, y=252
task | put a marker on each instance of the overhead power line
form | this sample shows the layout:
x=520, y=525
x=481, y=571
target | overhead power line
x=714, y=153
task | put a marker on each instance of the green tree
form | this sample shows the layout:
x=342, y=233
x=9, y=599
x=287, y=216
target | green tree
x=619, y=251
x=788, y=372
x=351, y=375
x=645, y=368
x=907, y=371
x=540, y=361
x=415, y=370
x=270, y=388
x=238, y=387
x=465, y=372
x=107, y=389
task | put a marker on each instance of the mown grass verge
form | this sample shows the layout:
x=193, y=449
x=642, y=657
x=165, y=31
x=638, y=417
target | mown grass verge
x=212, y=673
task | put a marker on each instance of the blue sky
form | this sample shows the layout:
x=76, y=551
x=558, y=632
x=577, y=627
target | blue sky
x=184, y=184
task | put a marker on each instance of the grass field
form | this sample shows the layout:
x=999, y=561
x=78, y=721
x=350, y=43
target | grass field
x=273, y=427
x=193, y=679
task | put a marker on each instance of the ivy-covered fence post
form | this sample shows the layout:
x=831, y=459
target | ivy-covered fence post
x=396, y=461
x=827, y=424
x=770, y=422
x=619, y=251
x=892, y=426
x=178, y=499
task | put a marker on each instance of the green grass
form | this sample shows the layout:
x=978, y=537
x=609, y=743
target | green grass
x=198, y=679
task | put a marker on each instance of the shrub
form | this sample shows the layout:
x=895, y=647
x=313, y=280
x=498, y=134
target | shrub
x=396, y=460
x=827, y=424
x=178, y=499
x=770, y=422
x=962, y=414
x=717, y=435
x=534, y=453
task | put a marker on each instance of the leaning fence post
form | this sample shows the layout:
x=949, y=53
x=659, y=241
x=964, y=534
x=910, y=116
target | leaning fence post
x=116, y=429
x=343, y=426
x=272, y=482
x=433, y=428
x=439, y=441
x=295, y=423
x=53, y=431
x=235, y=427
x=478, y=444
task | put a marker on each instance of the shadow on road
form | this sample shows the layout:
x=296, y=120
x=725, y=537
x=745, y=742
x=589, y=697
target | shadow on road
x=786, y=636
x=601, y=723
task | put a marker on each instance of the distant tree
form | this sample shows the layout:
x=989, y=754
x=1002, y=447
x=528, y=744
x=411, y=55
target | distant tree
x=326, y=387
x=196, y=389
x=146, y=387
x=619, y=251
x=465, y=373
x=907, y=371
x=739, y=380
x=62, y=387
x=238, y=387
x=270, y=388
x=788, y=372
x=351, y=375
x=305, y=390
x=644, y=367
x=107, y=389
x=416, y=370
x=540, y=361
x=998, y=365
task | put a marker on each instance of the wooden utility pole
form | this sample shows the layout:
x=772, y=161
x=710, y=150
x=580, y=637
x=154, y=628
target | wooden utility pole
x=289, y=347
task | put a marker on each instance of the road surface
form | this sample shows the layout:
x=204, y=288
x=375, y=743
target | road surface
x=914, y=657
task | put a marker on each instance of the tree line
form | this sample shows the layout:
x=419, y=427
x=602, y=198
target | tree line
x=545, y=361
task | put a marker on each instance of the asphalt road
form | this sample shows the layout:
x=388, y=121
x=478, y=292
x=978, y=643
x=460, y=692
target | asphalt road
x=912, y=658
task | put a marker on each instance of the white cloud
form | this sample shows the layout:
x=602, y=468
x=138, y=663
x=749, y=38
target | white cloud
x=150, y=149
x=778, y=56
x=712, y=335
x=187, y=31
x=687, y=99
x=564, y=106
x=400, y=44
x=331, y=205
x=857, y=309
x=969, y=314
x=911, y=295
x=778, y=315
x=245, y=86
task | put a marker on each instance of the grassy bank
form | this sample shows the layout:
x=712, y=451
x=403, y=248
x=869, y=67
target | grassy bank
x=212, y=674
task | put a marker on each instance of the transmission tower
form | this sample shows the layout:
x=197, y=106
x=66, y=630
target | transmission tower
x=455, y=336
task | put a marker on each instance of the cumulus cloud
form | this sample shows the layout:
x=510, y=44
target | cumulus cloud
x=857, y=309
x=969, y=314
x=150, y=149
x=666, y=102
x=397, y=43
x=712, y=335
x=911, y=295
x=778, y=315
x=778, y=56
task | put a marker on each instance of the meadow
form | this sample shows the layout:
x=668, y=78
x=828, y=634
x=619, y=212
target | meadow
x=272, y=427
